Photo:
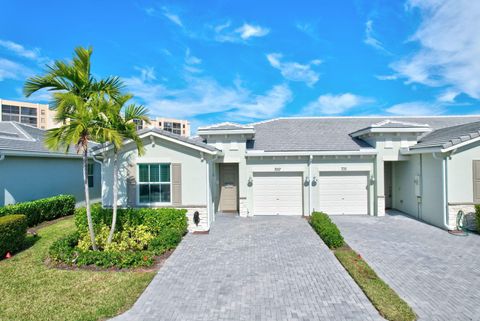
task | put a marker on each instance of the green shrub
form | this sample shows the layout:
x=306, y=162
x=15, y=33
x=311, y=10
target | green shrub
x=156, y=219
x=13, y=229
x=62, y=250
x=45, y=209
x=477, y=217
x=326, y=229
x=166, y=240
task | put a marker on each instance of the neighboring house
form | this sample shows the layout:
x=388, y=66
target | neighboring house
x=176, y=126
x=29, y=171
x=427, y=167
x=37, y=115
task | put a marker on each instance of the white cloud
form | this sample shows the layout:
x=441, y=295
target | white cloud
x=20, y=50
x=370, y=37
x=386, y=77
x=449, y=46
x=264, y=106
x=203, y=95
x=330, y=104
x=172, y=16
x=448, y=96
x=415, y=108
x=190, y=59
x=13, y=70
x=247, y=31
x=227, y=33
x=146, y=73
x=295, y=71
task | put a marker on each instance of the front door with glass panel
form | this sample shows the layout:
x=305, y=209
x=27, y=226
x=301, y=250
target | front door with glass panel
x=228, y=188
x=154, y=184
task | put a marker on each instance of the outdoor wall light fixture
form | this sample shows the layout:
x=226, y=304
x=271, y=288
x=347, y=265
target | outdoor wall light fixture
x=196, y=218
x=314, y=181
x=250, y=181
x=372, y=180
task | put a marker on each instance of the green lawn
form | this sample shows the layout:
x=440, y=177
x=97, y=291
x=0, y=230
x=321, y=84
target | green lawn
x=387, y=302
x=29, y=290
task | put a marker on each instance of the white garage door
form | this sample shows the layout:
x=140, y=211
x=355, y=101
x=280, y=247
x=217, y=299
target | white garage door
x=343, y=192
x=277, y=194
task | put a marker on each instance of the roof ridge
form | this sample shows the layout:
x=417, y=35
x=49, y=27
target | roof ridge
x=18, y=126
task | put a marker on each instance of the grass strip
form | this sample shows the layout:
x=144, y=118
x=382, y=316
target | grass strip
x=385, y=300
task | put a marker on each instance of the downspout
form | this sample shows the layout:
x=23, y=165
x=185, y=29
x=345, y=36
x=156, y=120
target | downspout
x=446, y=224
x=207, y=189
x=310, y=159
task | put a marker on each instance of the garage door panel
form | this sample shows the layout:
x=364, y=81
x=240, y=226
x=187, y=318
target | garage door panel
x=343, y=193
x=278, y=194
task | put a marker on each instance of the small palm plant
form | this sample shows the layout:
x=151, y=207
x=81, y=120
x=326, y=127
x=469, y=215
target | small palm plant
x=121, y=120
x=77, y=98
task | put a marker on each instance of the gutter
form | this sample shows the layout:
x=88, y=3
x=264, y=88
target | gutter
x=259, y=153
x=310, y=159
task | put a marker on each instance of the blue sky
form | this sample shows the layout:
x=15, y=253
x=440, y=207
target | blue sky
x=243, y=61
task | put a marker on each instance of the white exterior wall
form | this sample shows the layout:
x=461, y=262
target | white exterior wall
x=194, y=176
x=299, y=164
x=460, y=183
x=233, y=148
x=30, y=178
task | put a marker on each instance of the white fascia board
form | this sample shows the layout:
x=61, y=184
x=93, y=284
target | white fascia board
x=390, y=130
x=438, y=149
x=260, y=153
x=212, y=132
x=173, y=140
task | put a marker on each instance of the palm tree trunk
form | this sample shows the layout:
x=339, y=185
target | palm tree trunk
x=115, y=197
x=87, y=200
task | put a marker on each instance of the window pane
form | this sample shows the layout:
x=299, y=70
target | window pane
x=90, y=169
x=154, y=173
x=165, y=171
x=154, y=193
x=165, y=193
x=143, y=172
x=144, y=192
x=90, y=181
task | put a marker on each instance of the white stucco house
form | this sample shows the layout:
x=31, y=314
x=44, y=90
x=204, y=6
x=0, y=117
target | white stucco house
x=426, y=167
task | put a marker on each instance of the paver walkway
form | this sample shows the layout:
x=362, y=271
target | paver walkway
x=438, y=274
x=261, y=268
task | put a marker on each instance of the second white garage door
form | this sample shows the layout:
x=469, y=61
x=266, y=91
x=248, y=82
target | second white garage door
x=343, y=192
x=277, y=193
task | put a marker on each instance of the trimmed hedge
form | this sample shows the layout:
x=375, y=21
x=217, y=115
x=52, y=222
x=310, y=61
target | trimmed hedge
x=157, y=219
x=13, y=229
x=327, y=230
x=45, y=209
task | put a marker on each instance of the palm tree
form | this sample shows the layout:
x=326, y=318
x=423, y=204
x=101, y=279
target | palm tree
x=123, y=124
x=77, y=97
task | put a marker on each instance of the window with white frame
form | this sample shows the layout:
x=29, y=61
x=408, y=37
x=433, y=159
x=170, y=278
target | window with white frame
x=154, y=183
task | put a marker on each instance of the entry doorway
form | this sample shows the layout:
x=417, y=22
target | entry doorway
x=388, y=184
x=228, y=202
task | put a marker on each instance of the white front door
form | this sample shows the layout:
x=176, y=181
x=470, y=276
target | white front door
x=278, y=193
x=343, y=192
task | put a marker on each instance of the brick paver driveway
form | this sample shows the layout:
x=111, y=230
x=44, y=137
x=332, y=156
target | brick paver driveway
x=262, y=268
x=438, y=274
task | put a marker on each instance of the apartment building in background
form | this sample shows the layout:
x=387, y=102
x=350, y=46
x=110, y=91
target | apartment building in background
x=175, y=126
x=33, y=114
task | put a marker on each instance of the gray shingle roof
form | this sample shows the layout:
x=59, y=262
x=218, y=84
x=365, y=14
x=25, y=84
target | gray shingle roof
x=332, y=133
x=450, y=136
x=193, y=141
x=24, y=138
